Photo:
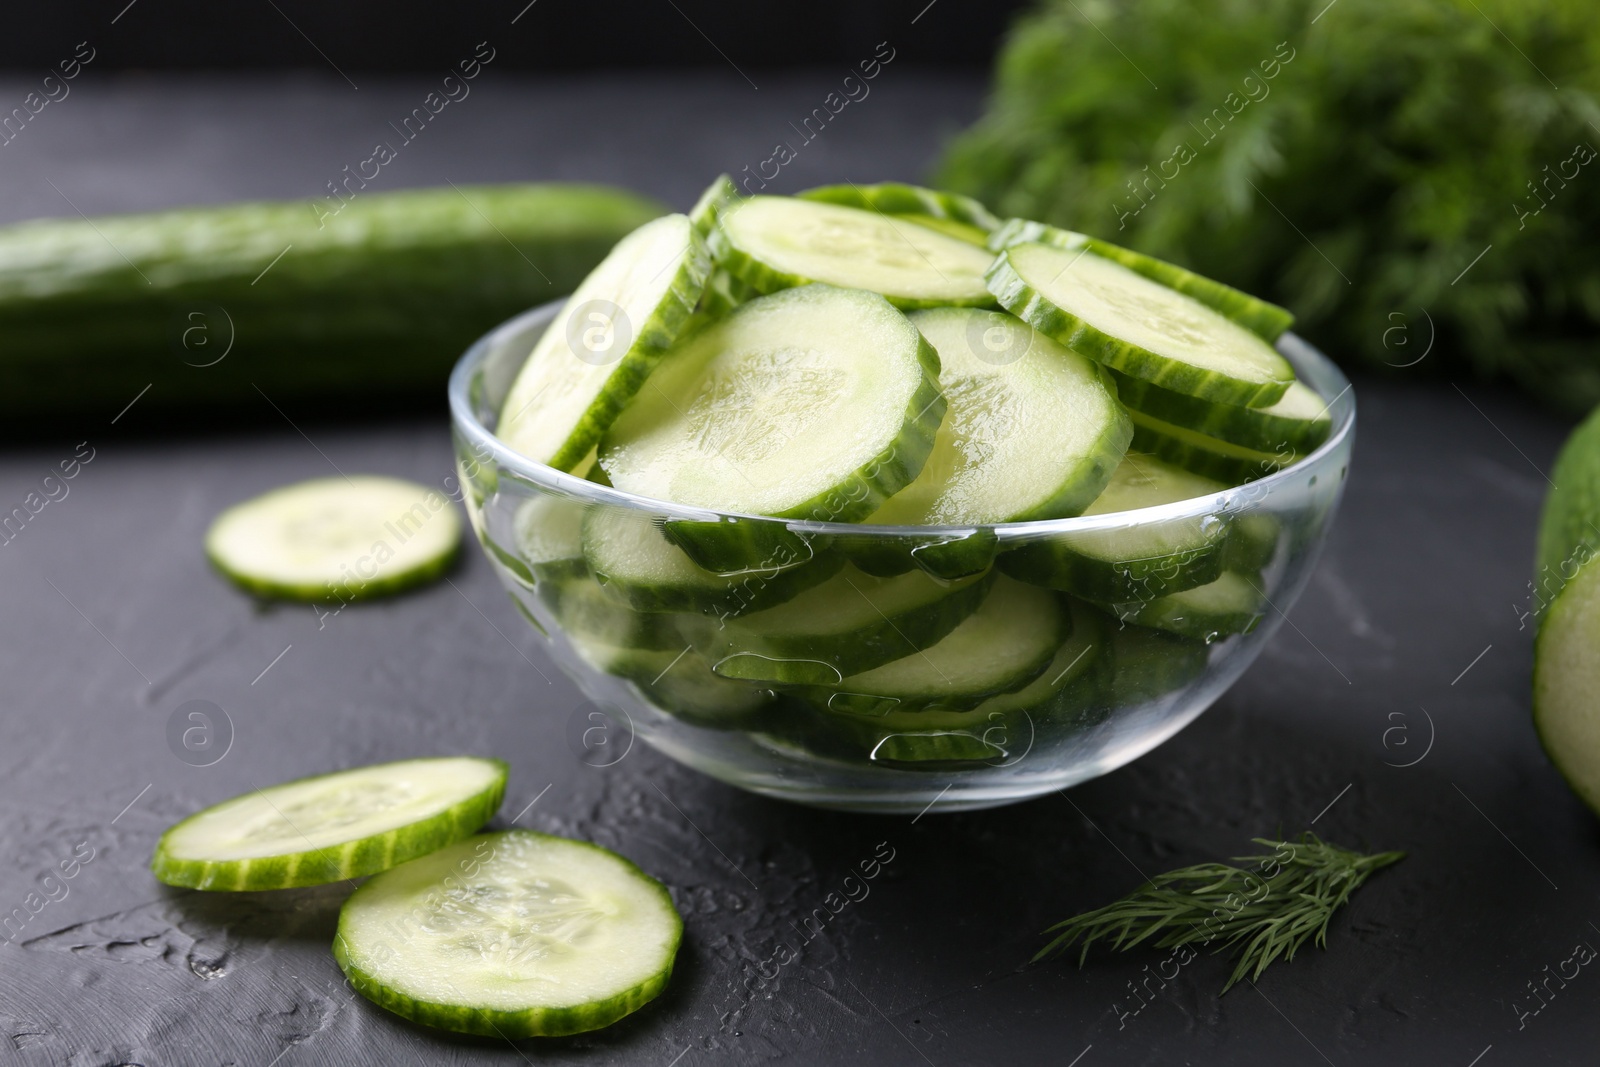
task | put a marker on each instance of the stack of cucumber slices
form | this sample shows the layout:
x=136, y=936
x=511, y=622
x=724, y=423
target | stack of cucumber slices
x=899, y=359
x=506, y=934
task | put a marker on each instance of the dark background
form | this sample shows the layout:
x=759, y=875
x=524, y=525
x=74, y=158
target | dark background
x=414, y=35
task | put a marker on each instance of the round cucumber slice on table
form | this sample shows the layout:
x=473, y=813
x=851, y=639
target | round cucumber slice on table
x=1002, y=646
x=332, y=826
x=1137, y=561
x=513, y=934
x=1031, y=431
x=812, y=403
x=1268, y=321
x=604, y=342
x=851, y=623
x=336, y=538
x=1297, y=423
x=774, y=243
x=1207, y=456
x=1230, y=605
x=1142, y=328
x=631, y=556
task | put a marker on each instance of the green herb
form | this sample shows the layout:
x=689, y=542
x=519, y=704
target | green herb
x=1350, y=161
x=1268, y=908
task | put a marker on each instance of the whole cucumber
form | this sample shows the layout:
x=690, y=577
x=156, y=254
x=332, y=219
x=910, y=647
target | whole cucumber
x=216, y=307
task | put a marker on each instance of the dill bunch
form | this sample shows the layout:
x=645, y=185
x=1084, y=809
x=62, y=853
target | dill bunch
x=1265, y=910
x=1392, y=171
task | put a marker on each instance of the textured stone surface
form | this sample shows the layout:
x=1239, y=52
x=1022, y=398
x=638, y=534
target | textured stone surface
x=113, y=619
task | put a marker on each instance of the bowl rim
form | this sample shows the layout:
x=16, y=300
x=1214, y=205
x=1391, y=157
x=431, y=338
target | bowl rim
x=1307, y=361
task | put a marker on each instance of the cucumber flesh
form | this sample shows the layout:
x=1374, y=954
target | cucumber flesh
x=336, y=538
x=1230, y=605
x=508, y=935
x=1268, y=321
x=1031, y=430
x=1566, y=676
x=718, y=197
x=548, y=533
x=680, y=682
x=1074, y=661
x=607, y=337
x=849, y=624
x=1000, y=647
x=1137, y=561
x=776, y=243
x=1111, y=314
x=331, y=827
x=1297, y=423
x=628, y=552
x=1203, y=455
x=587, y=611
x=961, y=231
x=912, y=201
x=741, y=418
x=1147, y=665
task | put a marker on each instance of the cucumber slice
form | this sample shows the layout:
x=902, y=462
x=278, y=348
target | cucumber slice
x=609, y=335
x=548, y=532
x=1566, y=676
x=336, y=538
x=513, y=934
x=722, y=294
x=718, y=197
x=961, y=231
x=1252, y=542
x=1268, y=321
x=1032, y=430
x=948, y=554
x=1139, y=561
x=628, y=553
x=777, y=242
x=744, y=418
x=1137, y=326
x=849, y=624
x=1297, y=423
x=898, y=198
x=332, y=826
x=680, y=682
x=1147, y=665
x=1002, y=646
x=586, y=610
x=1079, y=659
x=1230, y=605
x=1207, y=456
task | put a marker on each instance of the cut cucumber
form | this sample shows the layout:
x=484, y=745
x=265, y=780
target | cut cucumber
x=604, y=342
x=1032, y=430
x=1204, y=455
x=1296, y=424
x=628, y=553
x=718, y=197
x=586, y=610
x=1252, y=542
x=722, y=294
x=1230, y=605
x=336, y=538
x=898, y=198
x=548, y=531
x=332, y=826
x=961, y=231
x=948, y=554
x=1256, y=315
x=680, y=682
x=1140, y=560
x=816, y=403
x=776, y=243
x=849, y=624
x=1147, y=665
x=1002, y=646
x=1566, y=676
x=1137, y=326
x=508, y=935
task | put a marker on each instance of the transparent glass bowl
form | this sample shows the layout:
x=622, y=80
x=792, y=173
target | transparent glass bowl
x=1124, y=689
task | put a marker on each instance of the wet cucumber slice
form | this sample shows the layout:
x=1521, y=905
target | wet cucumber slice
x=548, y=532
x=775, y=243
x=720, y=195
x=332, y=826
x=1147, y=665
x=742, y=418
x=722, y=294
x=1133, y=562
x=508, y=935
x=1296, y=424
x=1139, y=327
x=606, y=339
x=1230, y=605
x=1002, y=646
x=849, y=624
x=633, y=560
x=336, y=538
x=586, y=610
x=1266, y=320
x=1206, y=456
x=912, y=201
x=680, y=682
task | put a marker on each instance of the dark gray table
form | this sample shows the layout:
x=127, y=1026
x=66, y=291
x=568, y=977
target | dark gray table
x=1406, y=649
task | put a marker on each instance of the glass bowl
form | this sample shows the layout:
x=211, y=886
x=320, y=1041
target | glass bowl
x=702, y=668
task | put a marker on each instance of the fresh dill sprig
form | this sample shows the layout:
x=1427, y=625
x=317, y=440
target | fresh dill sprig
x=1268, y=908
